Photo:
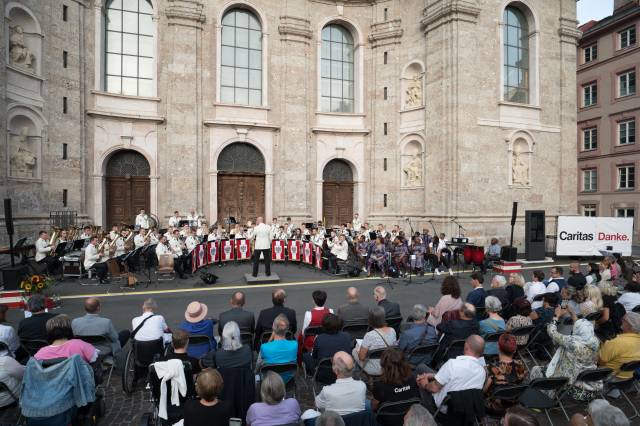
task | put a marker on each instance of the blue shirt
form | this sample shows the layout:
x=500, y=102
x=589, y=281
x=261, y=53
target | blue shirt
x=280, y=352
x=204, y=328
x=415, y=336
x=494, y=250
x=489, y=326
x=476, y=297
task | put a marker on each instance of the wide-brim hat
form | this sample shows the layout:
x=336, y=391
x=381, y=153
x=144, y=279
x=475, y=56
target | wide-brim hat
x=196, y=312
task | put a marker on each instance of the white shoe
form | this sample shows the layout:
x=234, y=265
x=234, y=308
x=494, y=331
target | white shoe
x=437, y=271
x=450, y=272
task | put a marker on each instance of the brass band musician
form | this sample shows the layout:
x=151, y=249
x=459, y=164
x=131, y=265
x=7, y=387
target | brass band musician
x=142, y=220
x=94, y=259
x=140, y=239
x=44, y=251
x=164, y=248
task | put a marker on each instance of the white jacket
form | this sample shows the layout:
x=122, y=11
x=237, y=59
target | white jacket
x=262, y=235
x=170, y=370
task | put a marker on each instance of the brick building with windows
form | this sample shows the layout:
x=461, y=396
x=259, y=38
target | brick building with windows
x=608, y=115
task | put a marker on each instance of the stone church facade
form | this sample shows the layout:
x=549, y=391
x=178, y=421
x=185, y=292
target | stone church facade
x=314, y=109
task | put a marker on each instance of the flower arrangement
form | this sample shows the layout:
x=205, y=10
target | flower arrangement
x=36, y=284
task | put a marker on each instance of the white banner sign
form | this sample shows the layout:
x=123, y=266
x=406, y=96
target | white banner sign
x=586, y=236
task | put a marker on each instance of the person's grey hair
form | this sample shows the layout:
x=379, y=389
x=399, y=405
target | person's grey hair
x=419, y=312
x=377, y=316
x=150, y=304
x=280, y=325
x=419, y=416
x=604, y=414
x=633, y=318
x=492, y=304
x=272, y=389
x=231, y=340
x=501, y=280
x=36, y=303
x=329, y=418
x=341, y=368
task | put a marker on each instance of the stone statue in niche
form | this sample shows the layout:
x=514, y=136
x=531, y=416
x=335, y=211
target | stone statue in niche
x=414, y=92
x=413, y=171
x=519, y=166
x=23, y=161
x=20, y=55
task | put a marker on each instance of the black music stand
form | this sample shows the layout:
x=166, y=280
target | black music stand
x=78, y=245
x=150, y=261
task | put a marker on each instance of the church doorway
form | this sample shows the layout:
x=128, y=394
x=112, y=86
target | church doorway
x=128, y=187
x=241, y=183
x=337, y=193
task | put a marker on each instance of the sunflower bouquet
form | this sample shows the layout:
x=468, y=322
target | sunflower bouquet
x=36, y=284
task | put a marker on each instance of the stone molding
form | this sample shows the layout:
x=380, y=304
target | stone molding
x=385, y=33
x=569, y=33
x=187, y=13
x=443, y=12
x=295, y=29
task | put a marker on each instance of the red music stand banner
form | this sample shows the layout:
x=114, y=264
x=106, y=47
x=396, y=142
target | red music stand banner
x=293, y=249
x=318, y=260
x=226, y=250
x=307, y=253
x=277, y=250
x=213, y=255
x=243, y=249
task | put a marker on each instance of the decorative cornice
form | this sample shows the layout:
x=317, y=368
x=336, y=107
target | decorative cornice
x=133, y=117
x=569, y=33
x=295, y=29
x=445, y=11
x=188, y=13
x=385, y=33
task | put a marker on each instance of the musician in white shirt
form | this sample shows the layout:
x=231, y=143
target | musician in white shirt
x=86, y=233
x=316, y=238
x=92, y=259
x=153, y=236
x=114, y=232
x=193, y=218
x=339, y=251
x=175, y=219
x=120, y=246
x=356, y=222
x=142, y=220
x=262, y=234
x=139, y=240
x=191, y=241
x=43, y=252
x=163, y=249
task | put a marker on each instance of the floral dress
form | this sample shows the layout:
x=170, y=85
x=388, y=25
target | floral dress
x=518, y=321
x=418, y=250
x=378, y=256
x=503, y=374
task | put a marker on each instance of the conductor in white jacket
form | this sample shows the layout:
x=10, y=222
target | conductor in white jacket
x=262, y=234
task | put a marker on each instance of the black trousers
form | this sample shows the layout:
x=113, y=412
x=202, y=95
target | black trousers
x=101, y=270
x=52, y=264
x=267, y=261
x=179, y=265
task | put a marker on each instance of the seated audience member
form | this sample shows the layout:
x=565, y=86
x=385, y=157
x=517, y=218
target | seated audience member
x=11, y=372
x=498, y=283
x=544, y=314
x=329, y=418
x=391, y=309
x=612, y=312
x=459, y=329
x=266, y=316
x=417, y=333
x=504, y=372
x=492, y=254
x=593, y=274
x=492, y=324
x=576, y=280
x=419, y=416
x=327, y=344
x=379, y=337
x=152, y=326
x=208, y=410
x=346, y=395
x=353, y=311
x=605, y=270
x=279, y=350
x=630, y=299
x=575, y=353
x=8, y=335
x=556, y=283
x=34, y=327
x=397, y=383
x=450, y=301
x=522, y=310
x=623, y=348
x=180, y=347
x=237, y=314
x=92, y=324
x=461, y=373
x=477, y=295
x=592, y=302
x=515, y=288
x=535, y=288
x=232, y=353
x=62, y=344
x=520, y=416
x=274, y=409
x=313, y=318
x=600, y=413
x=196, y=323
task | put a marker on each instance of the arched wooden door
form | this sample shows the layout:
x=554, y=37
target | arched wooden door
x=337, y=193
x=240, y=183
x=128, y=187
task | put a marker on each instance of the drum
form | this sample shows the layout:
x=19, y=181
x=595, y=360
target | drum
x=165, y=263
x=467, y=253
x=477, y=255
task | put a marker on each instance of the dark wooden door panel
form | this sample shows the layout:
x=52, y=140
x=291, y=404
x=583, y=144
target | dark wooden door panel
x=240, y=196
x=125, y=197
x=337, y=202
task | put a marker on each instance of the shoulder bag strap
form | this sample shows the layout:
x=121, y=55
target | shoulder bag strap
x=133, y=333
x=382, y=337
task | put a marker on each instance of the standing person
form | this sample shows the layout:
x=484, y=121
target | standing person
x=262, y=234
x=142, y=220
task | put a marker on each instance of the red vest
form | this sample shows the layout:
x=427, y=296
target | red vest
x=317, y=315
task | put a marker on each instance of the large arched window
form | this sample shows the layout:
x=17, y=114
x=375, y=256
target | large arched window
x=241, y=58
x=337, y=70
x=516, y=56
x=129, y=48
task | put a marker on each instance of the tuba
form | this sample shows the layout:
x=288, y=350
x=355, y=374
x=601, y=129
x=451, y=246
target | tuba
x=54, y=235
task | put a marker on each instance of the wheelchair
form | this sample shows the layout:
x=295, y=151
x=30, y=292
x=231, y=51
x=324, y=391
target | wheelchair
x=139, y=357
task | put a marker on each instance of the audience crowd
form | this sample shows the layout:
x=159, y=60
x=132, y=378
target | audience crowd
x=448, y=363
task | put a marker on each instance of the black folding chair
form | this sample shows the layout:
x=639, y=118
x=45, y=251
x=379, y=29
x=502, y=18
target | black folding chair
x=636, y=309
x=311, y=332
x=107, y=361
x=594, y=375
x=394, y=412
x=395, y=323
x=510, y=394
x=420, y=354
x=200, y=340
x=493, y=337
x=625, y=385
x=594, y=316
x=33, y=346
x=283, y=368
x=374, y=354
x=324, y=366
x=453, y=350
x=534, y=397
x=453, y=416
x=247, y=338
x=357, y=330
x=481, y=313
x=266, y=336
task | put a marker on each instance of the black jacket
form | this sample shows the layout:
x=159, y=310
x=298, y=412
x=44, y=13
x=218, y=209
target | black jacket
x=266, y=317
x=245, y=319
x=391, y=309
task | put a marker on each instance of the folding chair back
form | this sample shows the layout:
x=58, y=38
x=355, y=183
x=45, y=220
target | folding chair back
x=636, y=309
x=594, y=316
x=454, y=349
x=356, y=330
x=394, y=412
x=423, y=354
x=267, y=335
x=508, y=393
x=33, y=346
x=549, y=383
x=144, y=353
x=323, y=374
x=594, y=375
x=493, y=337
